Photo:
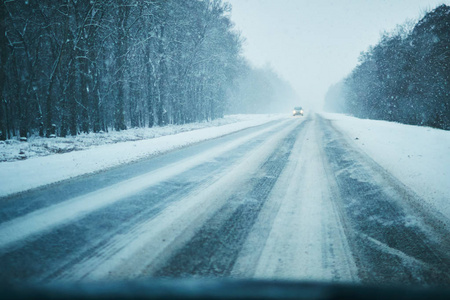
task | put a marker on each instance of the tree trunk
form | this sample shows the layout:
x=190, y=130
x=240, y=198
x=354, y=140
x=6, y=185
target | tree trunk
x=85, y=92
x=3, y=55
x=73, y=109
x=122, y=45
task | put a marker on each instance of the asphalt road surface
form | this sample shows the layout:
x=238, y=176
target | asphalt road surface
x=291, y=199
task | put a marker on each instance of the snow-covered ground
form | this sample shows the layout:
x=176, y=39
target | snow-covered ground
x=289, y=199
x=418, y=156
x=53, y=160
x=10, y=150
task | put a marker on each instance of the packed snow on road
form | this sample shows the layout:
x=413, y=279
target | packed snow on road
x=321, y=197
x=104, y=150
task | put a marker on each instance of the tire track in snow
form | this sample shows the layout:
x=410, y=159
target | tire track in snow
x=299, y=235
x=216, y=245
x=392, y=242
x=47, y=255
x=29, y=226
x=12, y=207
x=146, y=205
x=128, y=255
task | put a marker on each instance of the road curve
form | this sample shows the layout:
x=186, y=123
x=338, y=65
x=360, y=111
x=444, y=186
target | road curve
x=291, y=199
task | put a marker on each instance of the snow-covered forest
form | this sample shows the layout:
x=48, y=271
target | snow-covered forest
x=88, y=66
x=404, y=78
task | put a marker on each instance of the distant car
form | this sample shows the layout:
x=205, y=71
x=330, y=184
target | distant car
x=297, y=111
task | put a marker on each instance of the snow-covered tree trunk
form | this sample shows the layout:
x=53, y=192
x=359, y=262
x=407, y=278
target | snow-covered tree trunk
x=3, y=56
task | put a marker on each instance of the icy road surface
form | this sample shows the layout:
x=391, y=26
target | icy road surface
x=290, y=199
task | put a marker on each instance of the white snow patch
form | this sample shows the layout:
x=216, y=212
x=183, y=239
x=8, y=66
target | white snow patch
x=38, y=146
x=418, y=156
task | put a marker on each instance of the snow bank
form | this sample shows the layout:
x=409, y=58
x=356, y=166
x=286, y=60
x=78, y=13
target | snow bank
x=418, y=156
x=36, y=146
x=102, y=151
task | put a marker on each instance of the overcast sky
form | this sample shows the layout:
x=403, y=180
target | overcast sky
x=315, y=43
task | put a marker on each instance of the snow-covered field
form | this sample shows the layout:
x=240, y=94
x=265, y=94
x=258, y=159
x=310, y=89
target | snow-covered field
x=418, y=156
x=53, y=160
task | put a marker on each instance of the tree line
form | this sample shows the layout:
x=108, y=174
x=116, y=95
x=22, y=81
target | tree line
x=404, y=78
x=72, y=66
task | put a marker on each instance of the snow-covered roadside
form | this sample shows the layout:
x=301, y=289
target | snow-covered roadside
x=17, y=176
x=13, y=150
x=417, y=156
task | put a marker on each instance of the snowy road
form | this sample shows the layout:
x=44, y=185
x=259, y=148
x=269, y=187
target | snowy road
x=291, y=199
